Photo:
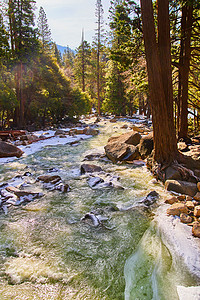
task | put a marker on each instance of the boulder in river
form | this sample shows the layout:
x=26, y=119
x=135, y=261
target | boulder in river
x=49, y=178
x=89, y=168
x=121, y=152
x=90, y=131
x=130, y=138
x=104, y=180
x=54, y=182
x=123, y=147
x=9, y=150
x=182, y=187
x=150, y=199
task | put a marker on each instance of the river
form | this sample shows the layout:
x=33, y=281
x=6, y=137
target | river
x=47, y=252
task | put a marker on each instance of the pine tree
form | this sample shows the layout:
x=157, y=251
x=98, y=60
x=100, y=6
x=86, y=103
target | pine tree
x=81, y=64
x=44, y=31
x=99, y=46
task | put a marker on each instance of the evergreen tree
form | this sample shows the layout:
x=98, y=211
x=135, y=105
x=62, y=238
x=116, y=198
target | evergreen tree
x=43, y=30
x=57, y=54
x=99, y=47
x=81, y=64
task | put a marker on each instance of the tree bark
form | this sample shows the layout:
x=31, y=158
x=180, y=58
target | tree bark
x=184, y=68
x=159, y=76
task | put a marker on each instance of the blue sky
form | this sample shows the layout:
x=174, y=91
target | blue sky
x=66, y=18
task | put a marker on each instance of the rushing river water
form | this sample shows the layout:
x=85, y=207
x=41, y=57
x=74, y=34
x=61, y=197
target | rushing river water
x=46, y=252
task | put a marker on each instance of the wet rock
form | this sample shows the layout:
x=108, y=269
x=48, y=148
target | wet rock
x=130, y=138
x=184, y=218
x=146, y=145
x=196, y=230
x=116, y=152
x=89, y=168
x=176, y=209
x=54, y=182
x=182, y=187
x=122, y=148
x=132, y=154
x=171, y=200
x=94, y=156
x=198, y=186
x=90, y=131
x=59, y=132
x=121, y=152
x=9, y=150
x=64, y=188
x=104, y=180
x=93, y=218
x=93, y=181
x=197, y=211
x=50, y=178
x=150, y=199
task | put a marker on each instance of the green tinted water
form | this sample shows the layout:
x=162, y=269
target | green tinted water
x=46, y=252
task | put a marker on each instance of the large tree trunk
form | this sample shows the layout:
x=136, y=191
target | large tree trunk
x=159, y=76
x=184, y=68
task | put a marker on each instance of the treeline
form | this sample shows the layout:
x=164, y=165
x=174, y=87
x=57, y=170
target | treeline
x=123, y=70
x=33, y=87
x=38, y=85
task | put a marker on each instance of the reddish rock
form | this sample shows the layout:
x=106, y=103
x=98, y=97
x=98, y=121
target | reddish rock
x=9, y=150
x=137, y=128
x=188, y=198
x=184, y=218
x=181, y=198
x=49, y=178
x=190, y=205
x=176, y=209
x=130, y=138
x=121, y=152
x=197, y=196
x=89, y=168
x=197, y=211
x=125, y=126
x=182, y=187
x=196, y=230
x=198, y=186
x=171, y=200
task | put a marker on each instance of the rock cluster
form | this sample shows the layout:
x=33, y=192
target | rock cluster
x=53, y=182
x=98, y=179
x=129, y=146
x=11, y=195
x=188, y=209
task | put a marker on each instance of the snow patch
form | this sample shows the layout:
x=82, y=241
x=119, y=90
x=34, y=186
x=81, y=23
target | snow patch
x=178, y=238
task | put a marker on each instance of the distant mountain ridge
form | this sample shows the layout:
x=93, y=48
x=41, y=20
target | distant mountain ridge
x=64, y=48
